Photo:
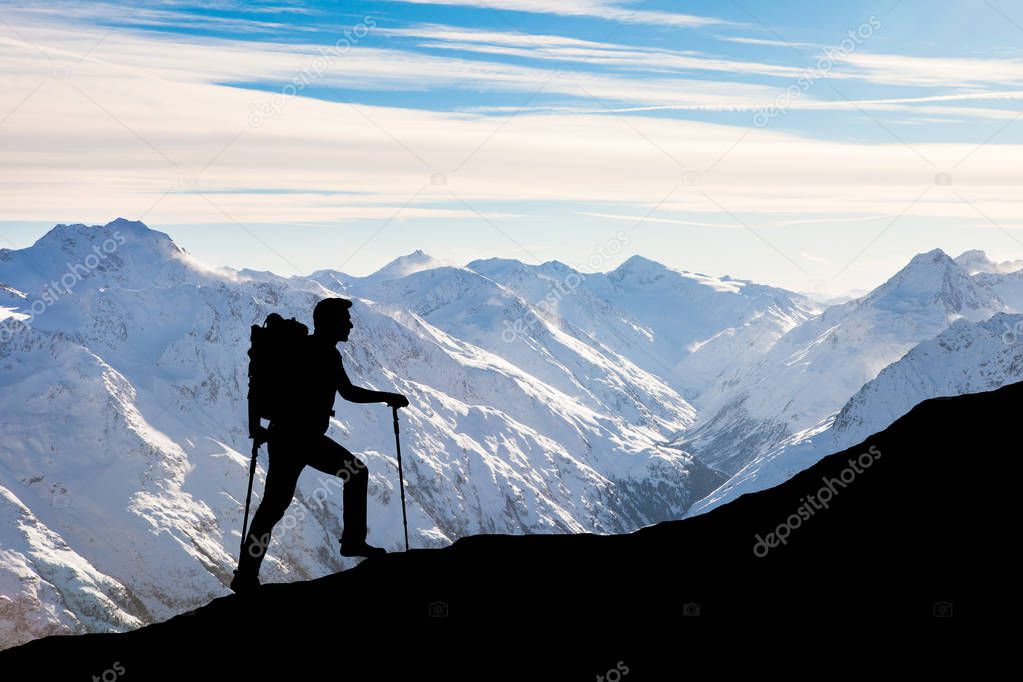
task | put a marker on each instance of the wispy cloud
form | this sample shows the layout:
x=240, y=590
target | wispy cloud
x=638, y=219
x=768, y=42
x=451, y=122
x=814, y=259
x=158, y=14
x=936, y=71
x=573, y=50
x=810, y=104
x=601, y=9
x=168, y=92
x=215, y=60
x=832, y=219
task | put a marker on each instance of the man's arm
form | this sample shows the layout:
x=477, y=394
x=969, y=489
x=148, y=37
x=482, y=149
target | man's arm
x=358, y=394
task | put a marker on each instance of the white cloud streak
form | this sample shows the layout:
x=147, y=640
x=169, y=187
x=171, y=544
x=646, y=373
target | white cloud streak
x=83, y=147
x=601, y=9
x=573, y=50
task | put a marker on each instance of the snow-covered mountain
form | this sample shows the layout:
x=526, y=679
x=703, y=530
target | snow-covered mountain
x=976, y=261
x=544, y=399
x=968, y=357
x=682, y=326
x=122, y=439
x=811, y=371
x=417, y=261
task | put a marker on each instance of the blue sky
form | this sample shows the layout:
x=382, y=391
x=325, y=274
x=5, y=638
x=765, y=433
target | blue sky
x=807, y=145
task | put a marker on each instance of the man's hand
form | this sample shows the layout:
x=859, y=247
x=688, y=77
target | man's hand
x=396, y=400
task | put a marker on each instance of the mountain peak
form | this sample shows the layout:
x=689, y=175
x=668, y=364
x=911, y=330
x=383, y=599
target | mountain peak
x=932, y=256
x=975, y=261
x=933, y=276
x=972, y=254
x=122, y=252
x=638, y=270
x=125, y=224
x=402, y=266
x=136, y=229
x=644, y=272
x=557, y=266
x=418, y=255
x=926, y=264
x=639, y=263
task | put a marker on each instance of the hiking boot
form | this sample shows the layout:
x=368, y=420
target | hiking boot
x=360, y=549
x=244, y=582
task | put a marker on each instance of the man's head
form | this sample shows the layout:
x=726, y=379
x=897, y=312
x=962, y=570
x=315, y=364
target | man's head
x=331, y=318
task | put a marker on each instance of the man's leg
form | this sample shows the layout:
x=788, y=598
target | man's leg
x=281, y=478
x=333, y=458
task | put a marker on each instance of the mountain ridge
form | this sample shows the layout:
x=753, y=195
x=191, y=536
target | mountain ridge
x=886, y=540
x=966, y=358
x=579, y=420
x=819, y=364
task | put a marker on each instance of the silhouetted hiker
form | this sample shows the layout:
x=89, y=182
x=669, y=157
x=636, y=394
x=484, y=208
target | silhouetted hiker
x=296, y=436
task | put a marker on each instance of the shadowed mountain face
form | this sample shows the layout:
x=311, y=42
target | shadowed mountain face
x=901, y=527
x=968, y=357
x=812, y=370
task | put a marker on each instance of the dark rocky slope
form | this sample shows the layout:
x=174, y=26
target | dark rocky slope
x=926, y=523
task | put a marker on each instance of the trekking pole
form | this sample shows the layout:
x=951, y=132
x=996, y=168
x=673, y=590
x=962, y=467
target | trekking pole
x=248, y=496
x=401, y=475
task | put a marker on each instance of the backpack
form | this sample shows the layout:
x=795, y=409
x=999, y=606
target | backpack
x=273, y=352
